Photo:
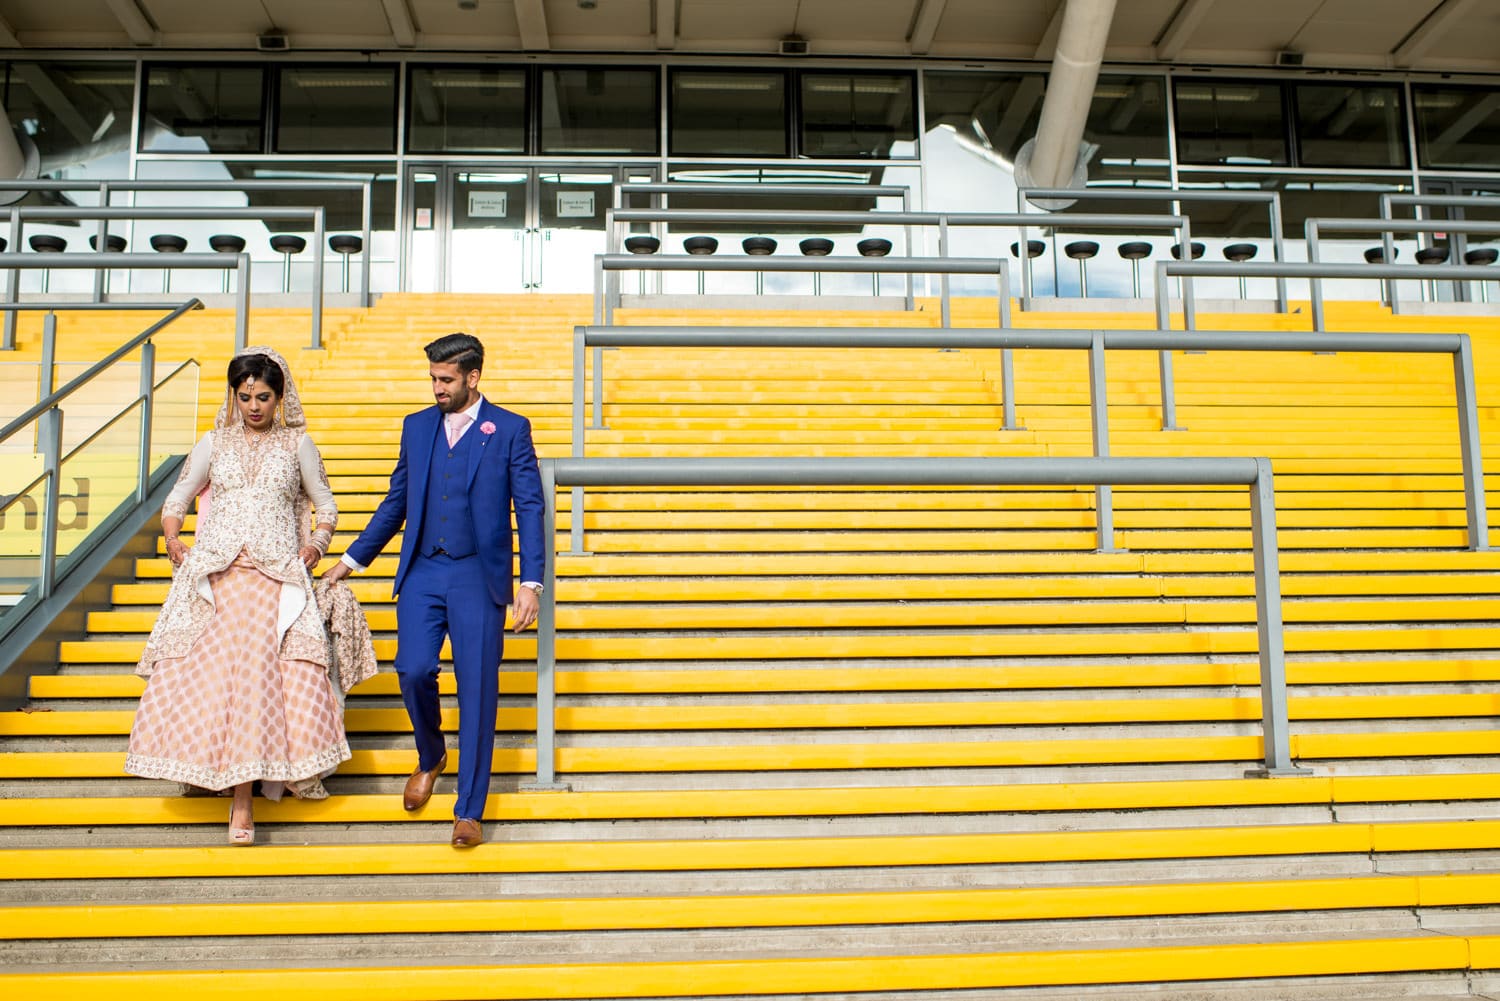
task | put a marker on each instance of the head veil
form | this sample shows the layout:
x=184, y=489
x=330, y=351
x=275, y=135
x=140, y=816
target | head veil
x=291, y=402
x=292, y=416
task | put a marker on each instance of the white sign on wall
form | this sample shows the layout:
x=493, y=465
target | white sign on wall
x=487, y=204
x=575, y=204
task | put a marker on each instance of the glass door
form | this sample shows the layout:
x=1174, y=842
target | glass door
x=501, y=229
x=1461, y=245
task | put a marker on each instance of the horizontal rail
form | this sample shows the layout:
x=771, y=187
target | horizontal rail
x=1254, y=473
x=607, y=294
x=238, y=263
x=1101, y=220
x=1387, y=228
x=314, y=213
x=1096, y=342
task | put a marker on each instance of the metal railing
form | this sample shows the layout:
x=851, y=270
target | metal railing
x=1096, y=342
x=47, y=416
x=1271, y=199
x=607, y=293
x=105, y=188
x=313, y=213
x=1388, y=228
x=238, y=263
x=943, y=221
x=1254, y=473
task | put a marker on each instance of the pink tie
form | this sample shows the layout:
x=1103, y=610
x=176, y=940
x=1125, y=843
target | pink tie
x=456, y=424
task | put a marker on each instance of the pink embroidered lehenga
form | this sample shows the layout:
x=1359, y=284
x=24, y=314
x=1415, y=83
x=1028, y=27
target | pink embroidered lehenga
x=238, y=662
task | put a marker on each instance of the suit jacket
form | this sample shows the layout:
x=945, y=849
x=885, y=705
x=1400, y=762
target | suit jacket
x=502, y=472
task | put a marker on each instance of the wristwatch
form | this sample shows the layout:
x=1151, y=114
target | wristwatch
x=534, y=586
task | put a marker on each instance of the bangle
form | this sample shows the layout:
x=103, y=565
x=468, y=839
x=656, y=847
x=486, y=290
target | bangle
x=171, y=538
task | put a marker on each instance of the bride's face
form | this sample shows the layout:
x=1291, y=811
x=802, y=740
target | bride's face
x=257, y=403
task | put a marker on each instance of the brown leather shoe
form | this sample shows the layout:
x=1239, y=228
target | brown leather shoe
x=419, y=787
x=466, y=833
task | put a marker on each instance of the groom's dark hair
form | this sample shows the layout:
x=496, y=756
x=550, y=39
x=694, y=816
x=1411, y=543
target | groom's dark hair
x=463, y=350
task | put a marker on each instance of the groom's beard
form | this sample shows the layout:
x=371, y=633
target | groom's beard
x=457, y=400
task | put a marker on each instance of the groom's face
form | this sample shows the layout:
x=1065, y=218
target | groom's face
x=453, y=390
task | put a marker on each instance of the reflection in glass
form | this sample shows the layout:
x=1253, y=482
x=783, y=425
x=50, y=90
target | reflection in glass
x=1457, y=127
x=858, y=114
x=1128, y=122
x=487, y=246
x=599, y=110
x=1339, y=125
x=97, y=478
x=718, y=113
x=467, y=109
x=76, y=115
x=343, y=215
x=336, y=109
x=1231, y=122
x=204, y=109
x=991, y=113
x=20, y=527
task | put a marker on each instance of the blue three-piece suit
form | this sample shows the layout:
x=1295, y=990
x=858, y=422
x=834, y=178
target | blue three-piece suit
x=454, y=578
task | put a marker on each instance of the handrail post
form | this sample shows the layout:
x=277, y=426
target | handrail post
x=1007, y=357
x=241, y=302
x=366, y=217
x=947, y=308
x=319, y=228
x=546, y=648
x=147, y=395
x=1469, y=445
x=1278, y=251
x=101, y=237
x=47, y=382
x=1275, y=722
x=12, y=279
x=575, y=517
x=49, y=443
x=1099, y=420
x=1164, y=356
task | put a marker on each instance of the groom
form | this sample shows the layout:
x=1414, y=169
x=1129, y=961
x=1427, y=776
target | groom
x=463, y=464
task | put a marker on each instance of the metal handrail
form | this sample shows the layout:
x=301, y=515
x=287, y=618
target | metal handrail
x=256, y=184
x=942, y=220
x=239, y=263
x=1096, y=342
x=1387, y=228
x=315, y=213
x=1254, y=473
x=77, y=382
x=48, y=417
x=1271, y=198
x=670, y=188
x=606, y=297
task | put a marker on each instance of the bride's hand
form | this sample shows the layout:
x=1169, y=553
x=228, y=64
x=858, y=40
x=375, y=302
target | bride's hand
x=310, y=556
x=177, y=551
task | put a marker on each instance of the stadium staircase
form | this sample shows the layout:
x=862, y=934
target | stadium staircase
x=848, y=742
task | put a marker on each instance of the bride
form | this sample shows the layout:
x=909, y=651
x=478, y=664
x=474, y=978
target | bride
x=238, y=662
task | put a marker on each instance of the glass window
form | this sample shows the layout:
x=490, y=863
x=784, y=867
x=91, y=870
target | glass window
x=1231, y=122
x=204, y=109
x=76, y=114
x=1457, y=127
x=463, y=109
x=858, y=114
x=599, y=110
x=1128, y=122
x=989, y=114
x=717, y=113
x=1339, y=125
x=336, y=109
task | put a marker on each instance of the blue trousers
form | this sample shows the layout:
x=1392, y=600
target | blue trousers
x=442, y=597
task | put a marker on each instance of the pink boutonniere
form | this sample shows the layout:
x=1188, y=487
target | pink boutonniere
x=488, y=427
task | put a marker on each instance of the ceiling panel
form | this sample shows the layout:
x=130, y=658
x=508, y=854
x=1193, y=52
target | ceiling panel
x=194, y=17
x=736, y=20
x=878, y=20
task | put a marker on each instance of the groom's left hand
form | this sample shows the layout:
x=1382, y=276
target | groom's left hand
x=523, y=609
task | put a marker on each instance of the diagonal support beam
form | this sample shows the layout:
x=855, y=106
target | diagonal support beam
x=8, y=39
x=531, y=18
x=135, y=22
x=925, y=24
x=666, y=24
x=1431, y=31
x=1047, y=47
x=1179, y=31
x=403, y=29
